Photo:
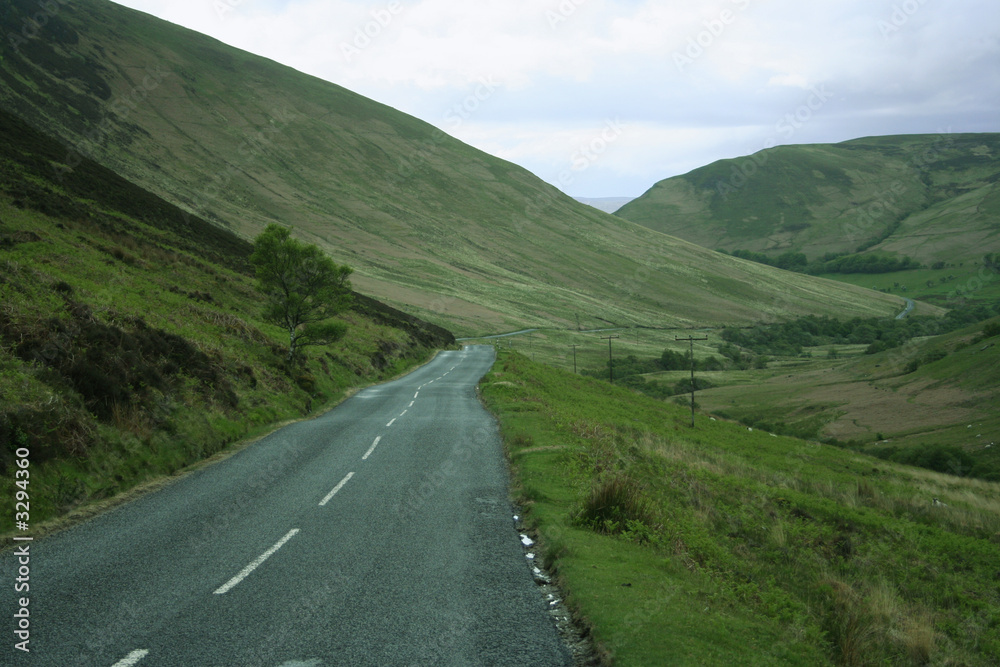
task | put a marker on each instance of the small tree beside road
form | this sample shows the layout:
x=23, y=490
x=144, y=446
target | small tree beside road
x=302, y=288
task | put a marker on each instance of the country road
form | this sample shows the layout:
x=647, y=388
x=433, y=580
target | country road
x=379, y=533
x=910, y=305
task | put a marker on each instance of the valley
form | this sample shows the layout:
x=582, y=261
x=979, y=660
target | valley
x=833, y=498
x=430, y=225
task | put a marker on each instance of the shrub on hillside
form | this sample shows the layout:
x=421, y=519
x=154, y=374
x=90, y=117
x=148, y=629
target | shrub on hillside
x=991, y=330
x=616, y=504
x=112, y=365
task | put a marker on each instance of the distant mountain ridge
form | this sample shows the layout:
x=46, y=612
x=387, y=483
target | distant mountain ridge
x=431, y=225
x=930, y=197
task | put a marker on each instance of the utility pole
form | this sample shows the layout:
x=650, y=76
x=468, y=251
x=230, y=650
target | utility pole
x=691, y=341
x=611, y=372
x=574, y=346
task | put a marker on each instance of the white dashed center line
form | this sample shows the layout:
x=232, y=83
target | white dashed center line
x=245, y=572
x=371, y=449
x=132, y=658
x=343, y=481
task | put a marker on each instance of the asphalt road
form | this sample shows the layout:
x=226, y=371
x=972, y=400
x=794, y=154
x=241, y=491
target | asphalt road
x=910, y=305
x=377, y=534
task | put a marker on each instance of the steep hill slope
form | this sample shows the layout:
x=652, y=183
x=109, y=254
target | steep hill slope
x=131, y=338
x=935, y=198
x=464, y=238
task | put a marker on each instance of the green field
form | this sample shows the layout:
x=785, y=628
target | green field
x=719, y=545
x=947, y=287
x=850, y=397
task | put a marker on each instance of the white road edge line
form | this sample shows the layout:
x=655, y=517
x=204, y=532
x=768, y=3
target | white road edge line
x=254, y=565
x=369, y=452
x=132, y=658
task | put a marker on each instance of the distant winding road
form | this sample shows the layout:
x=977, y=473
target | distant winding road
x=377, y=534
x=910, y=305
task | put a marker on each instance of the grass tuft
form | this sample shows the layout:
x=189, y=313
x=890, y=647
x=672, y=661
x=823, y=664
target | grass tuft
x=616, y=504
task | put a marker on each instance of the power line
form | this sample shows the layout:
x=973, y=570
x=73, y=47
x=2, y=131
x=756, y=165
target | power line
x=611, y=372
x=691, y=341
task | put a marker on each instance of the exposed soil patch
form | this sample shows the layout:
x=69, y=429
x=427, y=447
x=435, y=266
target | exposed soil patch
x=871, y=407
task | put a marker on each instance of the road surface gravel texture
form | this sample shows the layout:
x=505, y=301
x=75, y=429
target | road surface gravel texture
x=379, y=533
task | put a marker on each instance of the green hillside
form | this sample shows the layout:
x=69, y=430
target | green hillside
x=131, y=338
x=934, y=198
x=429, y=223
x=930, y=391
x=723, y=545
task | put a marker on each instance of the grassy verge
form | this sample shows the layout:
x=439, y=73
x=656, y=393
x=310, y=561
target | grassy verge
x=723, y=545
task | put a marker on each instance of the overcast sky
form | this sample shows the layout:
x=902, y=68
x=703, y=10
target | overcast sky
x=604, y=98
